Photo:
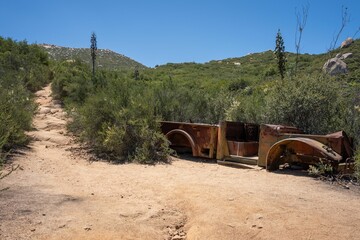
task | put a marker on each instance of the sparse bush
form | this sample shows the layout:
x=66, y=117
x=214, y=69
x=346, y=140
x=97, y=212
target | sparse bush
x=321, y=169
x=237, y=85
x=357, y=164
x=16, y=111
x=28, y=64
x=23, y=69
x=313, y=104
x=135, y=141
x=119, y=120
x=351, y=112
x=270, y=72
x=72, y=82
x=248, y=106
x=175, y=102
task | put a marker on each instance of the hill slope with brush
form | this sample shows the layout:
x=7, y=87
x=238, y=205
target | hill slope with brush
x=106, y=59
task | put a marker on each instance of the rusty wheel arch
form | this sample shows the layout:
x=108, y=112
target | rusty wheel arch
x=273, y=160
x=186, y=135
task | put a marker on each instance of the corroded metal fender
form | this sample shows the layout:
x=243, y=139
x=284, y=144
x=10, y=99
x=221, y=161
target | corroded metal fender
x=200, y=138
x=302, y=146
x=186, y=135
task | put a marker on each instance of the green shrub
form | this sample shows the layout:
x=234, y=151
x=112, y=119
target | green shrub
x=321, y=169
x=23, y=69
x=135, y=141
x=119, y=120
x=247, y=106
x=72, y=82
x=351, y=112
x=313, y=104
x=237, y=85
x=357, y=164
x=28, y=63
x=176, y=102
x=271, y=71
x=16, y=111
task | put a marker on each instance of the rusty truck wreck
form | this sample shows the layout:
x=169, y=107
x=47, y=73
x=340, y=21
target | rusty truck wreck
x=268, y=146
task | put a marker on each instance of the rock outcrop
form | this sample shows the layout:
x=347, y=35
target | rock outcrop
x=347, y=42
x=346, y=55
x=336, y=65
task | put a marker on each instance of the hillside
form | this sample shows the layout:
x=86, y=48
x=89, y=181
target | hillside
x=255, y=68
x=250, y=69
x=106, y=59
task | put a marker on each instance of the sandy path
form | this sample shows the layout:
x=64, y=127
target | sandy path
x=61, y=195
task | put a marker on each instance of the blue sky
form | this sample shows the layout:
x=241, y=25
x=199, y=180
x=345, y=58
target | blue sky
x=161, y=31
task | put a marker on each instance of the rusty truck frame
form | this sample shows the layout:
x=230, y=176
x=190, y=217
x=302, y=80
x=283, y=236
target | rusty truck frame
x=266, y=145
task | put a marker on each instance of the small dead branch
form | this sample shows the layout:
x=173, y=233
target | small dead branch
x=357, y=31
x=2, y=176
x=13, y=168
x=301, y=19
x=345, y=19
x=4, y=189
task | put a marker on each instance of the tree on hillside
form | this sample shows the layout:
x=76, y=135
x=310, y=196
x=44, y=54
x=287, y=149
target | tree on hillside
x=136, y=74
x=93, y=48
x=280, y=54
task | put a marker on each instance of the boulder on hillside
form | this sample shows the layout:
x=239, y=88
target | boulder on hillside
x=335, y=66
x=346, y=55
x=343, y=56
x=347, y=42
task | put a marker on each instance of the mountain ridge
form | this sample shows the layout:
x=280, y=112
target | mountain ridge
x=106, y=58
x=260, y=65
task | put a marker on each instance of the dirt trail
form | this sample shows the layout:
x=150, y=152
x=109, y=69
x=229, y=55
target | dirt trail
x=59, y=194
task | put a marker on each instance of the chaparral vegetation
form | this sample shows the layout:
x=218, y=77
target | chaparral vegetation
x=116, y=110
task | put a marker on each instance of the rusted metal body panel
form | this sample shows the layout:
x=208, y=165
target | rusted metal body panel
x=242, y=132
x=201, y=139
x=246, y=149
x=265, y=145
x=304, y=150
x=280, y=144
x=241, y=139
x=269, y=135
